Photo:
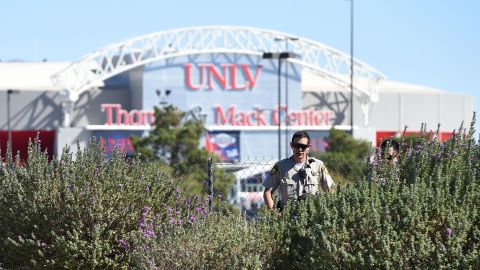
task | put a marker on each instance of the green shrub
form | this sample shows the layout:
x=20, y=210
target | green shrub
x=220, y=240
x=422, y=213
x=93, y=213
x=72, y=212
x=175, y=140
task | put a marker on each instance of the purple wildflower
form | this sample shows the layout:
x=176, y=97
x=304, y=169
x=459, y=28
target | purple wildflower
x=145, y=211
x=449, y=232
x=204, y=210
x=171, y=221
x=122, y=243
x=148, y=233
x=192, y=219
x=198, y=210
x=141, y=223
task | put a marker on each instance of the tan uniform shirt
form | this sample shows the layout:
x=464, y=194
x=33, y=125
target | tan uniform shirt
x=286, y=178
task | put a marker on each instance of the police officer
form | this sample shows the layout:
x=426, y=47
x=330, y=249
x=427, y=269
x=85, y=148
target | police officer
x=297, y=176
x=389, y=149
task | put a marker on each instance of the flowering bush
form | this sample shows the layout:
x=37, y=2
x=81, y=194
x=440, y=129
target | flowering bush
x=421, y=213
x=88, y=212
x=73, y=212
x=202, y=240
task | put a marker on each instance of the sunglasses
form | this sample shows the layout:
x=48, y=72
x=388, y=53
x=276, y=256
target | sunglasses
x=300, y=145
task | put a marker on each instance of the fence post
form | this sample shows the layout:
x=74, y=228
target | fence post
x=210, y=183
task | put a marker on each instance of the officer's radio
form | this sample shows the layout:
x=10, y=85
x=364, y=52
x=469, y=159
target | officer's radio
x=303, y=173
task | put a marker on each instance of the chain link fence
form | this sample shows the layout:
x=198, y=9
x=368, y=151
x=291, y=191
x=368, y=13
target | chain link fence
x=246, y=193
x=241, y=183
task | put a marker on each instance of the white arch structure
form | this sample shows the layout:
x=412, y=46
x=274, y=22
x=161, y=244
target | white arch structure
x=90, y=71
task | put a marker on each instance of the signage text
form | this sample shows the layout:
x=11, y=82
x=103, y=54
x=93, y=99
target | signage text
x=258, y=117
x=118, y=116
x=233, y=77
x=115, y=115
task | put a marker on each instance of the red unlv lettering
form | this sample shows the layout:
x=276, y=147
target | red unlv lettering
x=227, y=76
x=117, y=116
x=235, y=118
x=257, y=117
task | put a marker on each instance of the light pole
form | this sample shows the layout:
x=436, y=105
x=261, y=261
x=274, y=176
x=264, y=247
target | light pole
x=286, y=39
x=351, y=66
x=270, y=55
x=279, y=56
x=9, y=92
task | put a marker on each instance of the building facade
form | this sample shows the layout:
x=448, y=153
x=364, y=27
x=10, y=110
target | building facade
x=252, y=88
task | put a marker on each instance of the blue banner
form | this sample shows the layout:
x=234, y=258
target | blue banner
x=225, y=144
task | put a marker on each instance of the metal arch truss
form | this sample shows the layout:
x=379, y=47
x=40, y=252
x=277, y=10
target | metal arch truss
x=90, y=71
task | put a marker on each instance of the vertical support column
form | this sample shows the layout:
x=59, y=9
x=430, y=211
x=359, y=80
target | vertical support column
x=68, y=99
x=9, y=124
x=67, y=107
x=9, y=144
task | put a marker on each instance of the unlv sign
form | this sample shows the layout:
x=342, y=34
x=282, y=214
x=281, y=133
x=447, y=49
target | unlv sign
x=116, y=115
x=233, y=77
x=234, y=117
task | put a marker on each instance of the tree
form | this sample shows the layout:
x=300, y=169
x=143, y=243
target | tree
x=175, y=141
x=341, y=142
x=346, y=157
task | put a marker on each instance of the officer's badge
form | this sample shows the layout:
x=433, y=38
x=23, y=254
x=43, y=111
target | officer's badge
x=274, y=170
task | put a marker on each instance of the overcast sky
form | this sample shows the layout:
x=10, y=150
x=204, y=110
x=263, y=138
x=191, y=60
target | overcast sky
x=426, y=42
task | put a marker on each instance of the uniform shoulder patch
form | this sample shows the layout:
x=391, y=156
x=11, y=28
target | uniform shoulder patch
x=274, y=170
